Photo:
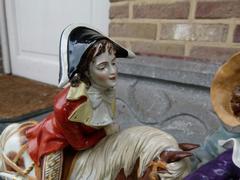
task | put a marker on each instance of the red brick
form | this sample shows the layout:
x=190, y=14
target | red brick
x=134, y=30
x=213, y=54
x=122, y=43
x=236, y=37
x=178, y=10
x=218, y=9
x=121, y=11
x=158, y=48
x=194, y=32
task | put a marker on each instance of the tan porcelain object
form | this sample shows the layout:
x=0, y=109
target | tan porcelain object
x=226, y=79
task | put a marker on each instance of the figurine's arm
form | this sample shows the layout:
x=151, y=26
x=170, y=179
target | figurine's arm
x=221, y=168
x=80, y=140
x=75, y=133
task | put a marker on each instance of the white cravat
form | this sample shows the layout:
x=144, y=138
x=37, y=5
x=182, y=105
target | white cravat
x=101, y=101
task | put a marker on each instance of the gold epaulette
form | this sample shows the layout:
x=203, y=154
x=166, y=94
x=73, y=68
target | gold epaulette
x=83, y=113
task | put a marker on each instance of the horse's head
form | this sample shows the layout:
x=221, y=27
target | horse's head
x=170, y=164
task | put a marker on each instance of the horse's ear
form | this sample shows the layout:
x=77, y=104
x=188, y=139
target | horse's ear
x=121, y=175
x=187, y=146
x=134, y=173
x=173, y=156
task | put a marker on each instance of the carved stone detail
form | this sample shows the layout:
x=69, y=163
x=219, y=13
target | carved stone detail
x=147, y=103
x=176, y=110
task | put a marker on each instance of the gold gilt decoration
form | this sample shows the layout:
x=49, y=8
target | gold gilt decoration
x=113, y=105
x=75, y=93
x=52, y=169
x=83, y=113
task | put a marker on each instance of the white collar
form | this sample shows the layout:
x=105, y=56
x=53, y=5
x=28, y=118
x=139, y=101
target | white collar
x=97, y=96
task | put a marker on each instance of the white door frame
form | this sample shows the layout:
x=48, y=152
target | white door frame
x=4, y=39
x=9, y=36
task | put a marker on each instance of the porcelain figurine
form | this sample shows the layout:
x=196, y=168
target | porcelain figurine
x=80, y=139
x=225, y=96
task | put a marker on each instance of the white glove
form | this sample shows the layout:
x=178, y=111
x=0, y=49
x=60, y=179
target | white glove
x=112, y=128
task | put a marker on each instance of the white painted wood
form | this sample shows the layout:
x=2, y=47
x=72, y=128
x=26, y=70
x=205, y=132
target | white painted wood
x=35, y=26
x=4, y=40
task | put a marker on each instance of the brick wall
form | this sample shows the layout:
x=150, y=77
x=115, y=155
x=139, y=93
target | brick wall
x=205, y=29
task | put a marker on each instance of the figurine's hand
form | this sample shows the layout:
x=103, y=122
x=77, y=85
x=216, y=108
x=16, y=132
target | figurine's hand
x=112, y=128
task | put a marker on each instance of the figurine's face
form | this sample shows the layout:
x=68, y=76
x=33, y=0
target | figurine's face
x=103, y=70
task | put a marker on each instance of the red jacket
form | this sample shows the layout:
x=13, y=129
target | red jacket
x=56, y=132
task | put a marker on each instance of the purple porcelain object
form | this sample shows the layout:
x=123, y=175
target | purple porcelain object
x=221, y=168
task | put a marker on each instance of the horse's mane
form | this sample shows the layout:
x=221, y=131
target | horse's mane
x=8, y=131
x=121, y=150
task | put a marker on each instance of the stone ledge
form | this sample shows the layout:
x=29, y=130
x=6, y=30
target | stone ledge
x=169, y=69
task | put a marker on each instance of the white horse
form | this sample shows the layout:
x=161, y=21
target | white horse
x=114, y=156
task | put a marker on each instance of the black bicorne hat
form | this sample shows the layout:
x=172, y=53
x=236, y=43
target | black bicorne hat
x=74, y=43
